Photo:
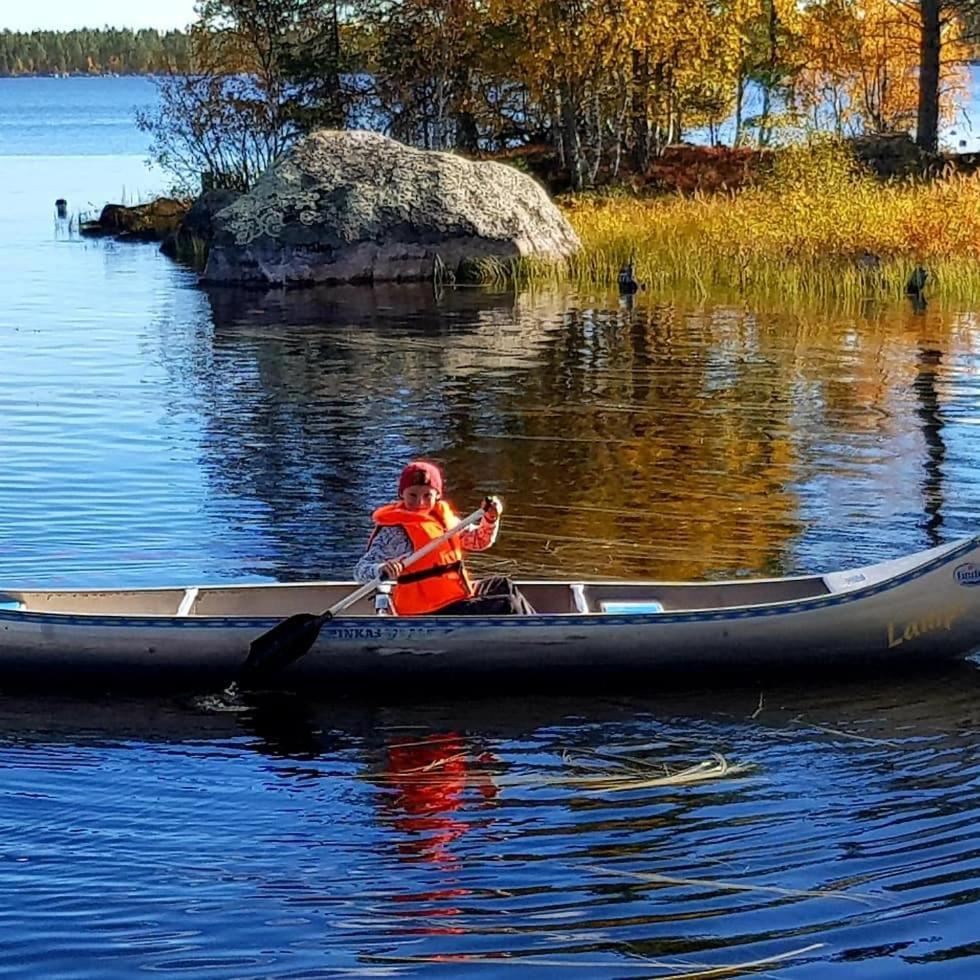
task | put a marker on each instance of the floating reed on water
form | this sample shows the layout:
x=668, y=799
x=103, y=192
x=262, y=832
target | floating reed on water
x=637, y=774
x=629, y=773
x=690, y=971
x=731, y=886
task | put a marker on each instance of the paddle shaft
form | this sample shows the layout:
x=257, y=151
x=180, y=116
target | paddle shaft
x=426, y=549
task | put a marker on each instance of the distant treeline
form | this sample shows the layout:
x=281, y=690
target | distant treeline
x=92, y=52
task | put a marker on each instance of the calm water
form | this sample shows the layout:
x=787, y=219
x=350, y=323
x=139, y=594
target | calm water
x=153, y=433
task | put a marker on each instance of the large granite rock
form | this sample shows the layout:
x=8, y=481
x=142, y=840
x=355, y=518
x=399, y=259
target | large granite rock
x=359, y=207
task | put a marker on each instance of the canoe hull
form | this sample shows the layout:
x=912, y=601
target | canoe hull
x=928, y=612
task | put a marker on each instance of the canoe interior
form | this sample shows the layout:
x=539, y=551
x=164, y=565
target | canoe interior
x=273, y=601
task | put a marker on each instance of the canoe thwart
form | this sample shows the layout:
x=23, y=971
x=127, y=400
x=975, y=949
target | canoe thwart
x=187, y=602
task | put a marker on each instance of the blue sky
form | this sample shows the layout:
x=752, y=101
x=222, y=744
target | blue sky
x=55, y=15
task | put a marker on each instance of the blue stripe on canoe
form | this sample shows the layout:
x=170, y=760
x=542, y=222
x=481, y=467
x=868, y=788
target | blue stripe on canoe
x=513, y=622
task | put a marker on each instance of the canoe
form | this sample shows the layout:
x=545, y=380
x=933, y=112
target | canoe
x=905, y=612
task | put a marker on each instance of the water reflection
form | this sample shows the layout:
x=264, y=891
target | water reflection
x=659, y=439
x=930, y=361
x=426, y=781
x=241, y=310
x=386, y=832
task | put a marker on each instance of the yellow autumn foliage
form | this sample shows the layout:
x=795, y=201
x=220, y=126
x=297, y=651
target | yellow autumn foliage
x=817, y=226
x=861, y=61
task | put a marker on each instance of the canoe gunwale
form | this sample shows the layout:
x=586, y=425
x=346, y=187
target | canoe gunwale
x=859, y=591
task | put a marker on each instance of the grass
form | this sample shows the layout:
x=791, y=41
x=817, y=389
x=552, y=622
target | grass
x=193, y=251
x=817, y=226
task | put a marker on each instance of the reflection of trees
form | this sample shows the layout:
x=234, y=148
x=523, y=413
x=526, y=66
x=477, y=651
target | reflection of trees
x=929, y=360
x=316, y=398
x=651, y=443
x=664, y=440
x=873, y=384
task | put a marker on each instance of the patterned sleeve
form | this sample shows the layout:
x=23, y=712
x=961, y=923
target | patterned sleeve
x=479, y=538
x=389, y=542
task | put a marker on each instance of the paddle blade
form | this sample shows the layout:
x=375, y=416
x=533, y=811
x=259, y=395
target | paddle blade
x=284, y=643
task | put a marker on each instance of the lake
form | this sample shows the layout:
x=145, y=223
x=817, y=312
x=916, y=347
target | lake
x=155, y=432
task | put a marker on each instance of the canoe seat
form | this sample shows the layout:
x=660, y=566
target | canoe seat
x=631, y=607
x=582, y=603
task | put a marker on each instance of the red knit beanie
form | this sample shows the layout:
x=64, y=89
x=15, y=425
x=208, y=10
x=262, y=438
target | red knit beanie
x=420, y=474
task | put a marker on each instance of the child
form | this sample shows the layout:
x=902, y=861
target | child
x=438, y=584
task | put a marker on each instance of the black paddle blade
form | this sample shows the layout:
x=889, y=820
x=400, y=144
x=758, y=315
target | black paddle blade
x=285, y=643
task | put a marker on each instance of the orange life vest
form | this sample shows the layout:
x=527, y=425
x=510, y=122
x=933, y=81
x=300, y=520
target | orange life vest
x=437, y=579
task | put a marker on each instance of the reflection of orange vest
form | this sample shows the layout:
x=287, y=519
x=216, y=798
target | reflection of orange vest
x=430, y=774
x=437, y=579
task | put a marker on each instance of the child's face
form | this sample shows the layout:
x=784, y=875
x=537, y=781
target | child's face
x=419, y=497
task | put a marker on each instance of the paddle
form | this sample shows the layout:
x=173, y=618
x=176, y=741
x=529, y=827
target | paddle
x=289, y=640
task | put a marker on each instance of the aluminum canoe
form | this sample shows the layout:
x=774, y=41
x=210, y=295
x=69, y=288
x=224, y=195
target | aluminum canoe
x=909, y=611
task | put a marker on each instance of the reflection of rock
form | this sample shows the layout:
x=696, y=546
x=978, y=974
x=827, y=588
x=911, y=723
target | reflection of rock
x=481, y=321
x=350, y=305
x=145, y=222
x=358, y=207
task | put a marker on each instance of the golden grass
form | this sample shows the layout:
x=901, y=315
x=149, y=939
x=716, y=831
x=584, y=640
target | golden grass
x=598, y=772
x=816, y=227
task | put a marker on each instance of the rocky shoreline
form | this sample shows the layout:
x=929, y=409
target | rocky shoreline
x=354, y=207
x=357, y=207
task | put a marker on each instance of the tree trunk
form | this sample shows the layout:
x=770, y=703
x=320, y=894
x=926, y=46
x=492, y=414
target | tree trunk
x=765, y=129
x=467, y=130
x=596, y=162
x=639, y=108
x=619, y=135
x=739, y=99
x=569, y=135
x=674, y=128
x=337, y=109
x=659, y=139
x=927, y=121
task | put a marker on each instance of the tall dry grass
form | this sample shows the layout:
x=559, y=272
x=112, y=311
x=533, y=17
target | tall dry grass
x=816, y=226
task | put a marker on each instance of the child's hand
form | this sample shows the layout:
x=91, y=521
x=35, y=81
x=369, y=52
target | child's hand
x=391, y=569
x=493, y=507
